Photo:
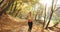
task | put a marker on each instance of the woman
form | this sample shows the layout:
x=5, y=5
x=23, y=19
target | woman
x=30, y=21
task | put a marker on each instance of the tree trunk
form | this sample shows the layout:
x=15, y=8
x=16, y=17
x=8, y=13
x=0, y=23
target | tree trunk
x=11, y=8
x=44, y=17
x=1, y=1
x=5, y=5
x=17, y=12
x=14, y=10
x=50, y=15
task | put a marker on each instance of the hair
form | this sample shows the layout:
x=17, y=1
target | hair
x=30, y=13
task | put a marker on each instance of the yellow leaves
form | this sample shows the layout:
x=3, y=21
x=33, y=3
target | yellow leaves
x=25, y=6
x=19, y=0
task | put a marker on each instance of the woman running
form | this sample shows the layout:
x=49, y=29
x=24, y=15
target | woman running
x=30, y=21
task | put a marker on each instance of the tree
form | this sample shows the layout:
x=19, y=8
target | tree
x=44, y=16
x=17, y=12
x=5, y=4
x=14, y=10
x=11, y=8
x=52, y=10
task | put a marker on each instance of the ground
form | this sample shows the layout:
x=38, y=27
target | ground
x=10, y=24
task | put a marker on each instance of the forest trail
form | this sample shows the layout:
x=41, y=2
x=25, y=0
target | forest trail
x=10, y=24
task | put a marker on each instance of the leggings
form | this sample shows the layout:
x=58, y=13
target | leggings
x=30, y=25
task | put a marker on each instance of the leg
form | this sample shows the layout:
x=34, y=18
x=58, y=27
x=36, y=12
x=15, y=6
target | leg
x=30, y=25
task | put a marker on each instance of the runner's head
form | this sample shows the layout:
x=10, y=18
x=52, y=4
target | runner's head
x=30, y=13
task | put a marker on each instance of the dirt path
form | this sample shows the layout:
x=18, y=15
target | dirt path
x=11, y=24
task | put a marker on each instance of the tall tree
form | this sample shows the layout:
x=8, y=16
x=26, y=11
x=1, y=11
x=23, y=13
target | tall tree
x=52, y=10
x=44, y=16
x=50, y=14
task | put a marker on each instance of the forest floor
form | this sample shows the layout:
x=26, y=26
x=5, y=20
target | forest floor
x=11, y=24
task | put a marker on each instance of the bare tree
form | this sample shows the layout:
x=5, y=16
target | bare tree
x=50, y=15
x=52, y=11
x=44, y=16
